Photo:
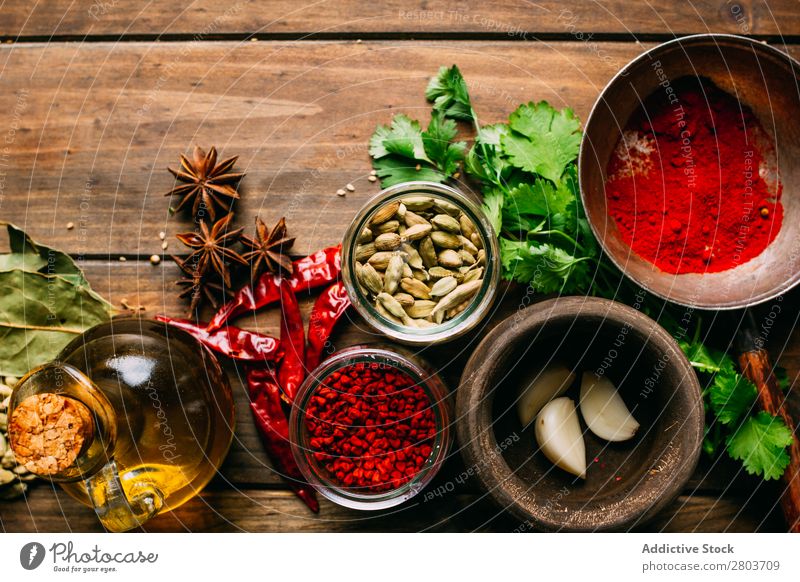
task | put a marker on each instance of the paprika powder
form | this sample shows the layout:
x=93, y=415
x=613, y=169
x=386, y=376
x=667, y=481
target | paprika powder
x=689, y=184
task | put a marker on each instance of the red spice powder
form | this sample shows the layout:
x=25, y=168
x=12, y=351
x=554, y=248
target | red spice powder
x=686, y=183
x=371, y=427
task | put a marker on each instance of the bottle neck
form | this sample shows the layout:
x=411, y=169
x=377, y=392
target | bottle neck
x=61, y=426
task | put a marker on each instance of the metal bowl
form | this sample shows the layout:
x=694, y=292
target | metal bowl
x=763, y=78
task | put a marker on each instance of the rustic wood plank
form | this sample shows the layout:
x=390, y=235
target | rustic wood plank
x=139, y=283
x=48, y=510
x=739, y=502
x=515, y=18
x=90, y=144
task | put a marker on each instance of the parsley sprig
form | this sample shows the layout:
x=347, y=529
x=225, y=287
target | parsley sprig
x=527, y=172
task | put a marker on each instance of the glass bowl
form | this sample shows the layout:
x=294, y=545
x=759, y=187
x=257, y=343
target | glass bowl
x=481, y=301
x=377, y=358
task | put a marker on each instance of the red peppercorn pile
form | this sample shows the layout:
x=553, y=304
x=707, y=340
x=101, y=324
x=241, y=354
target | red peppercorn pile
x=686, y=188
x=370, y=427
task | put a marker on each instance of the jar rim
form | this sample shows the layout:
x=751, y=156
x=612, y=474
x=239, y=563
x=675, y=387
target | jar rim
x=477, y=309
x=429, y=381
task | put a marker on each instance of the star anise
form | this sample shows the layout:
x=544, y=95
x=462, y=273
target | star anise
x=207, y=182
x=199, y=287
x=212, y=248
x=268, y=248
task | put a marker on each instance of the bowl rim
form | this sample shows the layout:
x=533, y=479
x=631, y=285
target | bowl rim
x=473, y=415
x=424, y=376
x=483, y=301
x=583, y=154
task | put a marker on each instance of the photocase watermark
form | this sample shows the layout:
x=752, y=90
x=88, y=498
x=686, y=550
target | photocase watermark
x=569, y=20
x=167, y=447
x=99, y=9
x=66, y=558
x=31, y=555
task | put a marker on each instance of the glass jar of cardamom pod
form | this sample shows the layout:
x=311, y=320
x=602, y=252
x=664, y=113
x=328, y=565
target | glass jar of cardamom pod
x=420, y=262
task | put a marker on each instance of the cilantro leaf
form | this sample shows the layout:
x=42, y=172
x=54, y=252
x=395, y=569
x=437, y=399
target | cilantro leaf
x=449, y=94
x=484, y=160
x=402, y=152
x=437, y=142
x=493, y=207
x=707, y=360
x=732, y=396
x=394, y=169
x=544, y=267
x=541, y=198
x=544, y=141
x=760, y=443
x=403, y=138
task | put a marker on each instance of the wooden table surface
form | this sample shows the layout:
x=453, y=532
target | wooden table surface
x=97, y=98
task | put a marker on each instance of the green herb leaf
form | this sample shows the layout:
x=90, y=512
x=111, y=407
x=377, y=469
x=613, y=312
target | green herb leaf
x=402, y=152
x=760, y=443
x=706, y=360
x=45, y=301
x=403, y=138
x=732, y=396
x=544, y=141
x=544, y=267
x=437, y=142
x=449, y=94
x=540, y=198
x=39, y=315
x=493, y=207
x=393, y=170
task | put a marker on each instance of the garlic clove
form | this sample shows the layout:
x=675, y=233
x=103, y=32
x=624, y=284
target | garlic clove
x=559, y=436
x=604, y=410
x=540, y=389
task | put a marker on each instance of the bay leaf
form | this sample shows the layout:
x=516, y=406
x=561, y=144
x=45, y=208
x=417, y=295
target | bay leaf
x=37, y=257
x=39, y=315
x=29, y=255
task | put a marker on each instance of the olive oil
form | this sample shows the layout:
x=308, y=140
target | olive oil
x=163, y=411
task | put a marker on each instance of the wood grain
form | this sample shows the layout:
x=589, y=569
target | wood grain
x=140, y=283
x=229, y=510
x=508, y=18
x=90, y=144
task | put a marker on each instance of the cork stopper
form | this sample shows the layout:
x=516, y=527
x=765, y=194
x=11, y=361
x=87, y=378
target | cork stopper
x=48, y=432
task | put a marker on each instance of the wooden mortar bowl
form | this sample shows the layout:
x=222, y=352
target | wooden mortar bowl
x=631, y=481
x=760, y=76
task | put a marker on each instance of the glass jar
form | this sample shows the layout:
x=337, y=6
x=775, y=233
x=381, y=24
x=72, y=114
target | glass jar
x=481, y=300
x=383, y=359
x=146, y=415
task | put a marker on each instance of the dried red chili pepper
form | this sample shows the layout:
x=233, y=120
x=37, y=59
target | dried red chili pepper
x=292, y=370
x=328, y=308
x=308, y=273
x=234, y=342
x=265, y=402
x=371, y=428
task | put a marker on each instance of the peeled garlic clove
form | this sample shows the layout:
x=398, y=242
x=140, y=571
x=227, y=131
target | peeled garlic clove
x=542, y=388
x=558, y=433
x=604, y=410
